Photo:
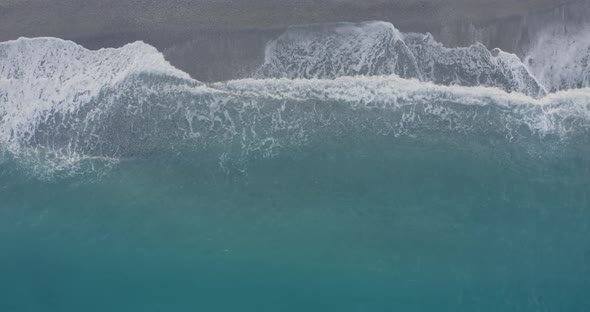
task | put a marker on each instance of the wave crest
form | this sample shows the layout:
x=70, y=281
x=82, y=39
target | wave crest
x=378, y=48
x=124, y=103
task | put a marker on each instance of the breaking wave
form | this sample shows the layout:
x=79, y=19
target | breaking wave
x=561, y=58
x=378, y=48
x=61, y=104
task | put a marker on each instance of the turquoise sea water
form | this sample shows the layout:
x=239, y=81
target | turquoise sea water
x=357, y=223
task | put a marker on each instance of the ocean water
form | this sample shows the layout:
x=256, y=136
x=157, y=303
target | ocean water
x=127, y=186
x=351, y=227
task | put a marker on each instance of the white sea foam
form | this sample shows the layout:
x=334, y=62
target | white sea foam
x=560, y=57
x=61, y=102
x=342, y=49
x=328, y=51
x=45, y=75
